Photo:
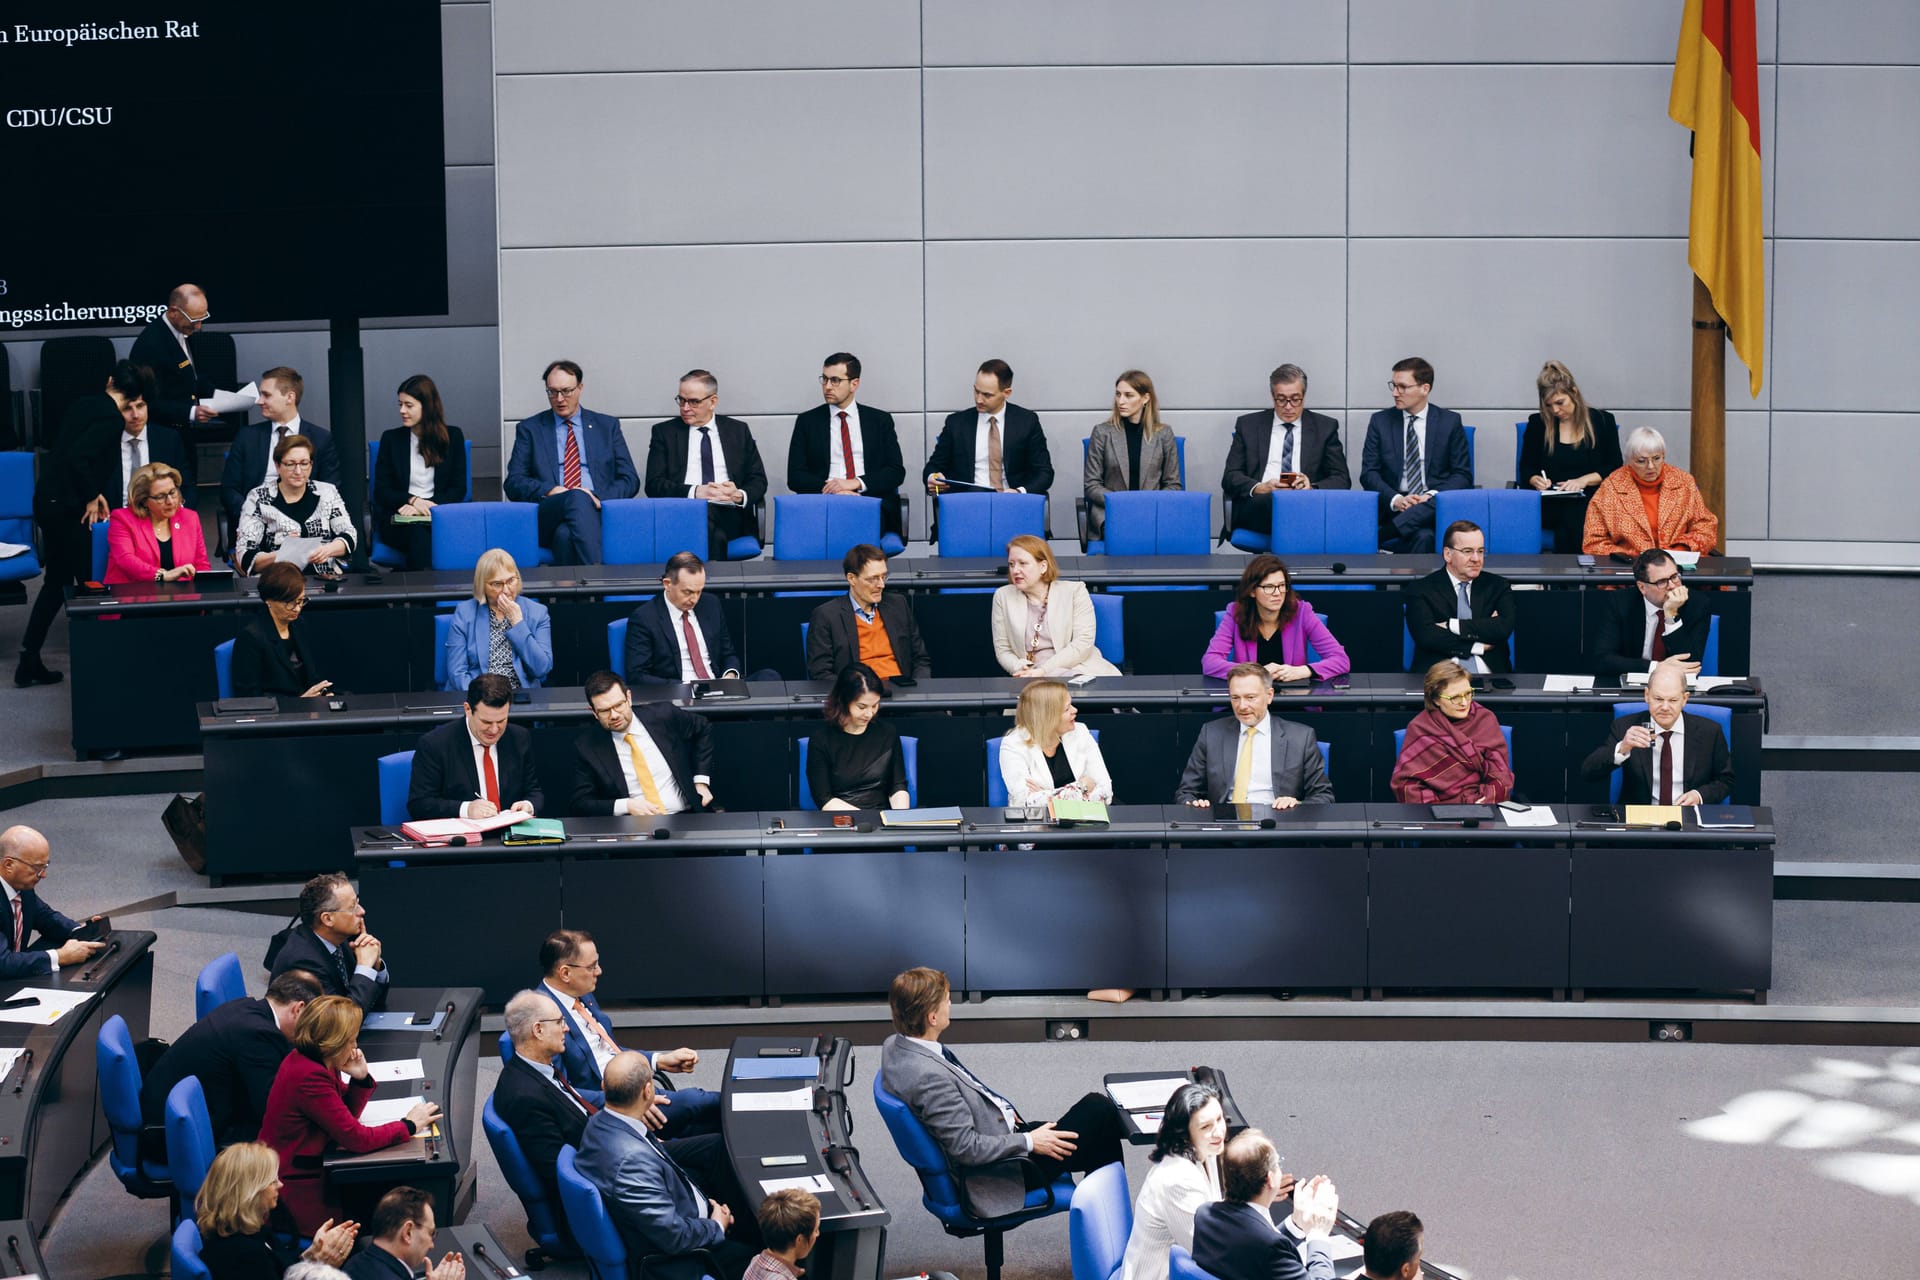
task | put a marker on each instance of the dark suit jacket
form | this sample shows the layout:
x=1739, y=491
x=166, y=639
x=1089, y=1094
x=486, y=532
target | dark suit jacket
x=534, y=466
x=542, y=1119
x=1431, y=601
x=1448, y=461
x=683, y=738
x=1234, y=1241
x=833, y=638
x=303, y=950
x=390, y=475
x=576, y=1059
x=101, y=460
x=1707, y=768
x=444, y=777
x=1316, y=453
x=650, y=1199
x=1623, y=629
x=176, y=385
x=667, y=459
x=235, y=1051
x=653, y=649
x=375, y=1263
x=1023, y=450
x=810, y=457
x=1298, y=769
x=251, y=452
x=52, y=928
x=260, y=665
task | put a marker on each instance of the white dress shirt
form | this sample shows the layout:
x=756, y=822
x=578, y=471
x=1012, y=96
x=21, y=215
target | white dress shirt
x=1260, y=776
x=836, y=454
x=1621, y=752
x=692, y=478
x=670, y=798
x=292, y=428
x=602, y=1054
x=982, y=474
x=1477, y=663
x=127, y=463
x=678, y=620
x=13, y=900
x=1656, y=617
x=1274, y=470
x=419, y=474
x=480, y=773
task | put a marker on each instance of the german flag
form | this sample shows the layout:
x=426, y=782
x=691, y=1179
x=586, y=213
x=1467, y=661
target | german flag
x=1716, y=93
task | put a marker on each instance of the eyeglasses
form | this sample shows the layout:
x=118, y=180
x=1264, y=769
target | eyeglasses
x=173, y=495
x=501, y=584
x=202, y=318
x=1471, y=553
x=1456, y=699
x=544, y=1021
x=304, y=464
x=1290, y=400
x=297, y=603
x=561, y=393
x=1667, y=581
x=1278, y=589
x=828, y=380
x=39, y=869
x=685, y=403
x=1403, y=386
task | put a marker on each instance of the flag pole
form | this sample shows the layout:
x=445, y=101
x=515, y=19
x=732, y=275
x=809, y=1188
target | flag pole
x=1707, y=456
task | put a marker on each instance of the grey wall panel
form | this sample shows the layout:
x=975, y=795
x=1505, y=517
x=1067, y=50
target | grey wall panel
x=1561, y=31
x=759, y=316
x=705, y=158
x=1824, y=493
x=619, y=35
x=1161, y=151
x=1846, y=313
x=466, y=61
x=990, y=33
x=1838, y=140
x=1860, y=31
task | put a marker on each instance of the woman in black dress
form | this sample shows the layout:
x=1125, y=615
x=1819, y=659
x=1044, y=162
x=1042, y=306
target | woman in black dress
x=1569, y=458
x=271, y=656
x=856, y=762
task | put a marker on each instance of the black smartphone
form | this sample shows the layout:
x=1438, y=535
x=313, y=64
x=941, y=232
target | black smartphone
x=902, y=682
x=1501, y=682
x=1604, y=813
x=93, y=930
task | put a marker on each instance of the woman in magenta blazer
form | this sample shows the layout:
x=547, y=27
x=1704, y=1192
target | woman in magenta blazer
x=1277, y=628
x=151, y=539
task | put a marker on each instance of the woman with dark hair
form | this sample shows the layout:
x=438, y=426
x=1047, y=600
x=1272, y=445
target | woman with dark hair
x=271, y=657
x=1268, y=624
x=1185, y=1175
x=294, y=506
x=856, y=762
x=1455, y=752
x=1132, y=449
x=422, y=464
x=1566, y=450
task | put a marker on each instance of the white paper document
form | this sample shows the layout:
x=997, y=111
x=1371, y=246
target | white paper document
x=297, y=551
x=8, y=550
x=9, y=1058
x=781, y=1100
x=233, y=401
x=1568, y=684
x=394, y=1072
x=1132, y=1095
x=816, y=1183
x=1540, y=815
x=1685, y=559
x=1704, y=684
x=387, y=1110
x=49, y=1005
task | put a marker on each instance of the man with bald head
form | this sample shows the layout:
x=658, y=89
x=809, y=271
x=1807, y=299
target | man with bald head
x=1665, y=755
x=24, y=855
x=534, y=1098
x=167, y=347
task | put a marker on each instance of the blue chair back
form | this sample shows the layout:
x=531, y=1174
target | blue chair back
x=99, y=535
x=541, y=1224
x=1509, y=517
x=1519, y=447
x=1100, y=1222
x=219, y=982
x=1400, y=742
x=189, y=1138
x=1322, y=522
x=119, y=1075
x=1109, y=626
x=396, y=776
x=1181, y=1266
x=1722, y=716
x=997, y=785
x=805, y=627
x=186, y=1252
x=1159, y=522
x=1473, y=456
x=652, y=530
x=462, y=533
x=16, y=515
x=617, y=647
x=592, y=1228
x=909, y=747
x=442, y=628
x=1710, y=660
x=823, y=526
x=938, y=1191
x=223, y=668
x=980, y=524
x=506, y=1048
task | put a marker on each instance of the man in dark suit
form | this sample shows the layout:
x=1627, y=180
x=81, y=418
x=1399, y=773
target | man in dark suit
x=1413, y=451
x=331, y=943
x=1254, y=758
x=1646, y=753
x=24, y=855
x=398, y=1240
x=846, y=447
x=995, y=444
x=1289, y=448
x=250, y=456
x=680, y=635
x=837, y=629
x=479, y=765
x=569, y=460
x=167, y=347
x=685, y=460
x=1236, y=1238
x=235, y=1051
x=646, y=760
x=1460, y=611
x=536, y=1099
x=674, y=1203
x=569, y=972
x=1391, y=1247
x=1661, y=621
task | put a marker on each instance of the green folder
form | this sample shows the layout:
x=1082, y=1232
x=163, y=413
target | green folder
x=1074, y=812
x=536, y=831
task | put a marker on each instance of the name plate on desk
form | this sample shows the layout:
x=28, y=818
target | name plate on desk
x=402, y=1021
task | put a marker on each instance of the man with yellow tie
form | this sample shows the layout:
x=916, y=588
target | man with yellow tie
x=570, y=970
x=1253, y=758
x=646, y=761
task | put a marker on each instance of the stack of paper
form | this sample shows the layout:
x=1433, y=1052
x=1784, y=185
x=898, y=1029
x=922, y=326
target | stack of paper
x=49, y=1005
x=1142, y=1095
x=387, y=1110
x=1539, y=815
x=783, y=1100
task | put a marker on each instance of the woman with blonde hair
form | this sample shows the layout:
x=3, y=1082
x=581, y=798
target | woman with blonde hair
x=1566, y=450
x=1132, y=449
x=241, y=1191
x=1048, y=754
x=497, y=630
x=149, y=539
x=1042, y=624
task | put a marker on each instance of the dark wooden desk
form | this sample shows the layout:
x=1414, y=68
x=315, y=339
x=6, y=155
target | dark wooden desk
x=20, y=1250
x=486, y=1257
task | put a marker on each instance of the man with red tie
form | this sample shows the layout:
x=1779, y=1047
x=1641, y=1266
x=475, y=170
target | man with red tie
x=479, y=765
x=569, y=460
x=1665, y=756
x=843, y=446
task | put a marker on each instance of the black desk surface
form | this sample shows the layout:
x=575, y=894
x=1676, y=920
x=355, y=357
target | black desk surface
x=20, y=1250
x=853, y=1204
x=486, y=1257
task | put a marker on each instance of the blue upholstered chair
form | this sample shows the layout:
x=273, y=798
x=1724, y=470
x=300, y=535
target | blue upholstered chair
x=463, y=531
x=1099, y=1223
x=190, y=1147
x=909, y=747
x=382, y=554
x=652, y=530
x=219, y=982
x=1156, y=522
x=1722, y=716
x=186, y=1252
x=442, y=628
x=1710, y=660
x=592, y=1227
x=223, y=668
x=542, y=1224
x=1080, y=504
x=396, y=776
x=823, y=526
x=617, y=647
x=1181, y=1266
x=98, y=533
x=1109, y=626
x=997, y=785
x=1510, y=518
x=1316, y=522
x=119, y=1075
x=981, y=524
x=1400, y=742
x=16, y=516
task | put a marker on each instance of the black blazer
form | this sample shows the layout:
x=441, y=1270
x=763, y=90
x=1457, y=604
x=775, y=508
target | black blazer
x=100, y=461
x=52, y=928
x=260, y=1256
x=810, y=455
x=260, y=665
x=248, y=455
x=390, y=476
x=833, y=638
x=1623, y=628
x=683, y=738
x=1233, y=1241
x=1606, y=447
x=236, y=1051
x=444, y=776
x=1431, y=602
x=303, y=950
x=1317, y=453
x=667, y=459
x=653, y=651
x=375, y=1263
x=176, y=385
x=1707, y=768
x=1023, y=450
x=542, y=1119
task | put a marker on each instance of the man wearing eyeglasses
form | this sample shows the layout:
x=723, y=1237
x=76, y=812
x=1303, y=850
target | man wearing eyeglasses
x=167, y=347
x=534, y=1098
x=1254, y=759
x=1413, y=451
x=701, y=455
x=569, y=460
x=1660, y=622
x=842, y=446
x=24, y=855
x=1461, y=611
x=1276, y=452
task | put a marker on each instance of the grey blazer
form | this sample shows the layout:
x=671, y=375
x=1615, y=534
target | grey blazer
x=1298, y=770
x=1106, y=468
x=963, y=1121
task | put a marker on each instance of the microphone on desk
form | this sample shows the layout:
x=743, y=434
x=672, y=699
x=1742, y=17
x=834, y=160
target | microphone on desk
x=26, y=1069
x=660, y=833
x=457, y=840
x=1338, y=566
x=95, y=967
x=864, y=828
x=1268, y=824
x=443, y=1022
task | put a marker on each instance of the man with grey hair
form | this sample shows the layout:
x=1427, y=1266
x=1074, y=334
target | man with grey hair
x=24, y=857
x=685, y=460
x=1236, y=1238
x=534, y=1098
x=314, y=1271
x=169, y=346
x=1286, y=449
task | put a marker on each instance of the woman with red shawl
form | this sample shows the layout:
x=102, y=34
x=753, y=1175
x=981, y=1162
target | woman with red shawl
x=1455, y=752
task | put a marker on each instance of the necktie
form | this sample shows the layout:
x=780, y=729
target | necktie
x=570, y=463
x=19, y=919
x=345, y=966
x=706, y=455
x=133, y=457
x=1243, y=768
x=1005, y=1105
x=1464, y=610
x=1286, y=449
x=561, y=1078
x=592, y=1024
x=644, y=776
x=1658, y=650
x=699, y=1196
x=693, y=647
x=492, y=778
x=1413, y=473
x=1666, y=766
x=996, y=471
x=846, y=444
x=279, y=434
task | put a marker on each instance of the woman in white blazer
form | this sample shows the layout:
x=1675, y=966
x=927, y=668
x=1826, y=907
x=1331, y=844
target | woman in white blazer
x=1043, y=626
x=1047, y=754
x=1185, y=1175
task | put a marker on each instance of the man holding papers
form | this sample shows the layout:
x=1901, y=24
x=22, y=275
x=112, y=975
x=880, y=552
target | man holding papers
x=24, y=855
x=332, y=944
x=1666, y=756
x=478, y=766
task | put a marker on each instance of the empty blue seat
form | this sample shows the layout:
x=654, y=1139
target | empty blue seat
x=1722, y=716
x=382, y=554
x=1109, y=626
x=190, y=1148
x=1157, y=522
x=396, y=776
x=1181, y=1266
x=186, y=1252
x=1099, y=1223
x=219, y=982
x=823, y=526
x=909, y=747
x=223, y=668
x=463, y=532
x=118, y=1071
x=542, y=1224
x=16, y=516
x=652, y=531
x=1319, y=522
x=981, y=524
x=1510, y=518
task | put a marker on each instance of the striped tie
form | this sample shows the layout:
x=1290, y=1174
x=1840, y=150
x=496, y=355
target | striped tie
x=570, y=464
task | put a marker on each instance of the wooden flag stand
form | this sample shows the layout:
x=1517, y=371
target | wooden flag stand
x=1707, y=458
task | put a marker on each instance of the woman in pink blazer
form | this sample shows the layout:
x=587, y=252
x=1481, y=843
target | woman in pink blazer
x=151, y=539
x=1278, y=628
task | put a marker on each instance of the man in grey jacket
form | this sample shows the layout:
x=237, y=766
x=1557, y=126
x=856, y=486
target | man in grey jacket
x=1254, y=758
